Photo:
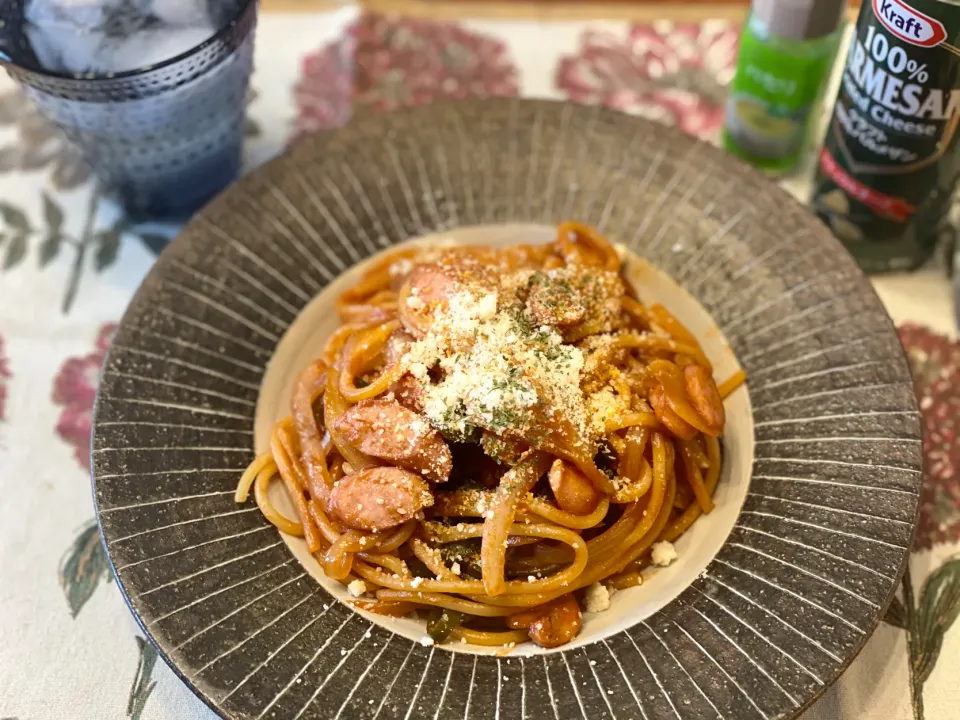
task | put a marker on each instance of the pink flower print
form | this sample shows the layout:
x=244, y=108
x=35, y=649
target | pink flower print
x=398, y=62
x=676, y=73
x=935, y=362
x=75, y=388
x=4, y=377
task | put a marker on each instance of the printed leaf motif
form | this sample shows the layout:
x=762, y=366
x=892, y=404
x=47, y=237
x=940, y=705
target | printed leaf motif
x=121, y=225
x=16, y=249
x=50, y=248
x=14, y=217
x=143, y=684
x=155, y=242
x=52, y=213
x=82, y=568
x=108, y=243
x=938, y=609
x=105, y=252
x=896, y=615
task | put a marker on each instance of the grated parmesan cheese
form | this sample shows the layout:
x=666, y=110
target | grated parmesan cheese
x=401, y=267
x=597, y=598
x=418, y=370
x=663, y=553
x=492, y=356
x=605, y=406
x=502, y=372
x=357, y=588
x=487, y=307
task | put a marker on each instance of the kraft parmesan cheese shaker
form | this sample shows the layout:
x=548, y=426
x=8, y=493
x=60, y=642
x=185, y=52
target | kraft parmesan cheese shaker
x=890, y=163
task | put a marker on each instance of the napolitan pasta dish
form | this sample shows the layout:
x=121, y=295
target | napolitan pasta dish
x=497, y=438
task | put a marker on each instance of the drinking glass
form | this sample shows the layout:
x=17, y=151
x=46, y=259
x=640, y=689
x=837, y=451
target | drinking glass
x=162, y=139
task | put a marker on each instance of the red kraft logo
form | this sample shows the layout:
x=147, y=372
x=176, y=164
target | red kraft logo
x=908, y=24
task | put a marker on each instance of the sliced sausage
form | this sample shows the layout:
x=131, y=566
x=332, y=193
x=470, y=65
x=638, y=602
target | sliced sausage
x=602, y=293
x=572, y=491
x=704, y=396
x=665, y=414
x=555, y=301
x=431, y=286
x=387, y=430
x=409, y=392
x=379, y=498
x=550, y=625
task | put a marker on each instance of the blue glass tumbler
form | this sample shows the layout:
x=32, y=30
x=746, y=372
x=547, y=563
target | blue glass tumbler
x=162, y=140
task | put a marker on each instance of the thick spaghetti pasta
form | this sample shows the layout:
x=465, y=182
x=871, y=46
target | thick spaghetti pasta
x=494, y=437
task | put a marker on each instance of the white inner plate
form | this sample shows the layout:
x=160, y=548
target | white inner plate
x=305, y=339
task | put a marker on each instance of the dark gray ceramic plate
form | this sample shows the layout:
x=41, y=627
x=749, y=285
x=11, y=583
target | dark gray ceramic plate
x=792, y=596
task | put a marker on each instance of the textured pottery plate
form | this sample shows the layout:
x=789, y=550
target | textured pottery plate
x=765, y=607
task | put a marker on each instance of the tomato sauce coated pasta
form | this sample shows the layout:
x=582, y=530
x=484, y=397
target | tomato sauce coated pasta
x=493, y=432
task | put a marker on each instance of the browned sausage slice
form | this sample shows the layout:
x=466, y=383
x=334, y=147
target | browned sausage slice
x=387, y=430
x=550, y=625
x=555, y=301
x=409, y=392
x=431, y=286
x=378, y=498
x=572, y=491
x=665, y=414
x=703, y=393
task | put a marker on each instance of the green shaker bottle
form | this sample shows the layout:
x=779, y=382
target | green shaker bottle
x=786, y=52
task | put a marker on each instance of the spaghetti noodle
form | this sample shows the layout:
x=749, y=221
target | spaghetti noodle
x=491, y=433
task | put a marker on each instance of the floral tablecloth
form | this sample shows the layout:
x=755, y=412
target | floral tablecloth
x=69, y=264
